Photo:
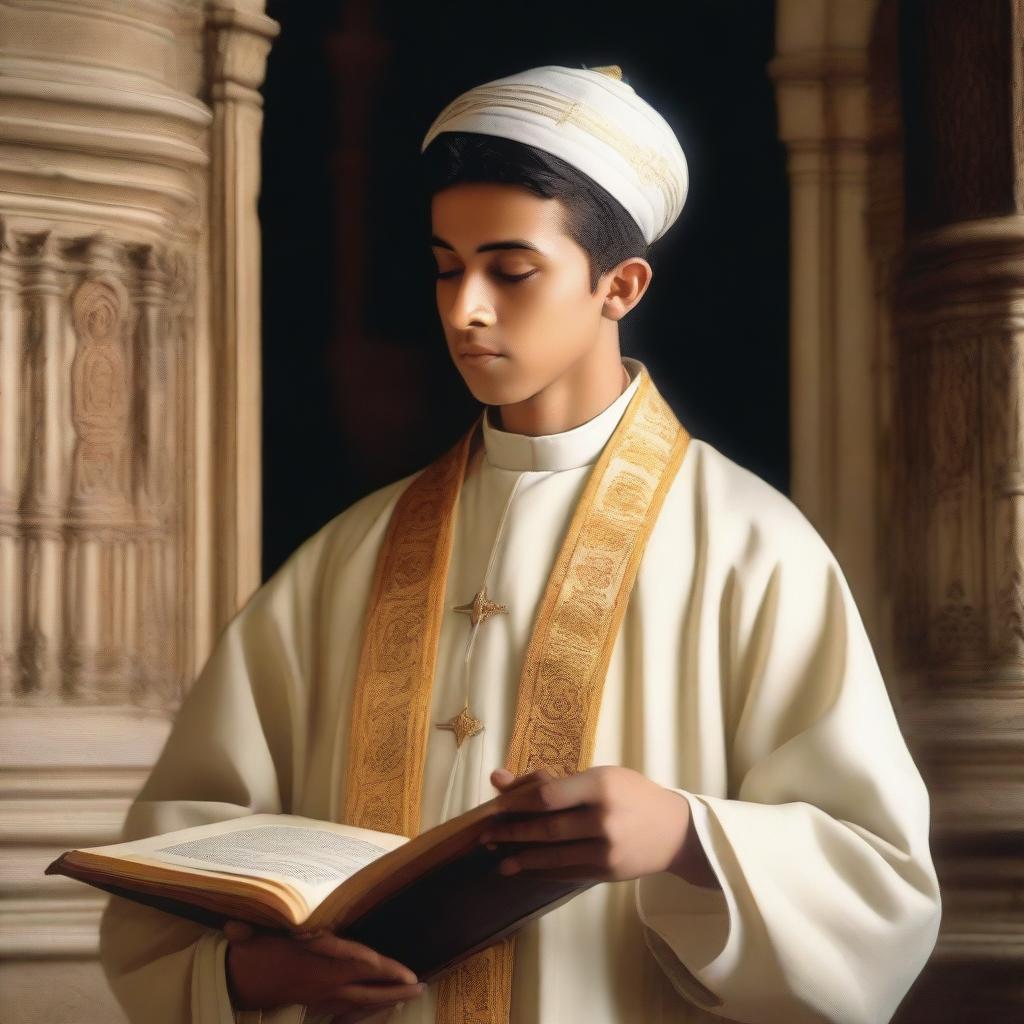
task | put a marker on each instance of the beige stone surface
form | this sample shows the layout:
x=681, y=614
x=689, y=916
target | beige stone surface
x=907, y=444
x=129, y=427
x=821, y=77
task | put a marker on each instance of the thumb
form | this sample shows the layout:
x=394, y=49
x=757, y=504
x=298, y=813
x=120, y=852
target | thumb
x=502, y=779
x=238, y=931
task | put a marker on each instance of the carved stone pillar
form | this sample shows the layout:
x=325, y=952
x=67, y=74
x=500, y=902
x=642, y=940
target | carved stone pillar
x=129, y=427
x=958, y=546
x=821, y=76
x=238, y=40
x=903, y=123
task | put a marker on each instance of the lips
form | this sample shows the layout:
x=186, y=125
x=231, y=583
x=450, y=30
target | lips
x=477, y=356
x=476, y=350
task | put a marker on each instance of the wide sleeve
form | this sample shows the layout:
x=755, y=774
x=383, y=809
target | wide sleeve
x=234, y=750
x=829, y=905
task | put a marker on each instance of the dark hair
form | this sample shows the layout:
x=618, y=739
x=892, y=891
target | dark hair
x=594, y=219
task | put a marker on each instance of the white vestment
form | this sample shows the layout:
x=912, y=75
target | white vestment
x=741, y=678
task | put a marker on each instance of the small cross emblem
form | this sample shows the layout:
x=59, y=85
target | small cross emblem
x=481, y=608
x=464, y=725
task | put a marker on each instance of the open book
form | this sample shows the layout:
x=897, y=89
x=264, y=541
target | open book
x=429, y=902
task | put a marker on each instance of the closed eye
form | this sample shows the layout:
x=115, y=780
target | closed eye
x=444, y=275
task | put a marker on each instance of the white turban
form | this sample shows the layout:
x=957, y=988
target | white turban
x=592, y=120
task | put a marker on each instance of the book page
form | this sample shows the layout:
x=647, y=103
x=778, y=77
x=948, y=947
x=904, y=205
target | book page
x=313, y=857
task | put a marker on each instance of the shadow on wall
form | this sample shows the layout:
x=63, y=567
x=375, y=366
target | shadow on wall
x=359, y=388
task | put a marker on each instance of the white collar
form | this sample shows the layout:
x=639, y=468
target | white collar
x=570, y=449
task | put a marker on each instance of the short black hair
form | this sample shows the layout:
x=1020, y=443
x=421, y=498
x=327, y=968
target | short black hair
x=594, y=219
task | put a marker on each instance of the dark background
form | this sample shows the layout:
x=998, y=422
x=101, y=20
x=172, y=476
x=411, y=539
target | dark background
x=359, y=389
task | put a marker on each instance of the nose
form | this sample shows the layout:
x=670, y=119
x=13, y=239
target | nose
x=471, y=304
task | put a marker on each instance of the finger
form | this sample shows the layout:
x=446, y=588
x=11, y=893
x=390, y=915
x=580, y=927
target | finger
x=337, y=948
x=505, y=780
x=551, y=794
x=377, y=968
x=321, y=978
x=587, y=858
x=355, y=995
x=368, y=995
x=238, y=931
x=554, y=827
x=334, y=946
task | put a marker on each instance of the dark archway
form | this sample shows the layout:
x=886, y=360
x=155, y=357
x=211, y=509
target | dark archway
x=358, y=386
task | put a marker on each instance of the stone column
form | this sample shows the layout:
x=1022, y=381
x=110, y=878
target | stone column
x=129, y=428
x=821, y=76
x=958, y=543
x=238, y=40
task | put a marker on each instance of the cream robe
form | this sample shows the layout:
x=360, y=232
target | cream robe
x=741, y=678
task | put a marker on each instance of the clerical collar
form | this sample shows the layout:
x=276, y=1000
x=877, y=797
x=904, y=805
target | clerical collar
x=555, y=452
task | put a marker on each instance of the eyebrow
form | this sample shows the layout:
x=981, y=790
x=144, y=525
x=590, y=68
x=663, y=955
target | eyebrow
x=511, y=243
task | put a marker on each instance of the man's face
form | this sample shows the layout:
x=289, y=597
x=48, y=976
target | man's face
x=511, y=282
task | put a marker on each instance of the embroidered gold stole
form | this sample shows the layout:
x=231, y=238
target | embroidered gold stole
x=567, y=657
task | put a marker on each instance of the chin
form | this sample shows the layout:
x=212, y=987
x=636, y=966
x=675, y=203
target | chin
x=494, y=392
x=487, y=394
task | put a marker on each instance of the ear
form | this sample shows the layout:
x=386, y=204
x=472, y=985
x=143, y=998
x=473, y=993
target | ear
x=624, y=286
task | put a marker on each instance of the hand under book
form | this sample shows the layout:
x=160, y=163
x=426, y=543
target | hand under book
x=330, y=975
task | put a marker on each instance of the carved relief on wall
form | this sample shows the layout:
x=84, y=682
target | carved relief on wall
x=959, y=547
x=129, y=428
x=100, y=398
x=92, y=422
x=961, y=491
x=961, y=487
x=1003, y=375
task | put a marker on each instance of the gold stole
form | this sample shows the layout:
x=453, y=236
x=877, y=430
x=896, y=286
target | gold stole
x=566, y=660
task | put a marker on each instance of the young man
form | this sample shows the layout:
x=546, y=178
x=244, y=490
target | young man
x=576, y=589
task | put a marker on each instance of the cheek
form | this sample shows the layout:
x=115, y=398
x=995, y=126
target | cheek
x=548, y=307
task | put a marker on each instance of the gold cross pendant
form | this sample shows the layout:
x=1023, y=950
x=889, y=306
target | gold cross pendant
x=464, y=725
x=481, y=608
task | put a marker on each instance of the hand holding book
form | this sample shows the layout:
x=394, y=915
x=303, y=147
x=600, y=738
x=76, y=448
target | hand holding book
x=358, y=917
x=604, y=824
x=426, y=903
x=327, y=973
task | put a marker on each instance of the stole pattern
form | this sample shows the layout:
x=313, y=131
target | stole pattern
x=391, y=705
x=559, y=696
